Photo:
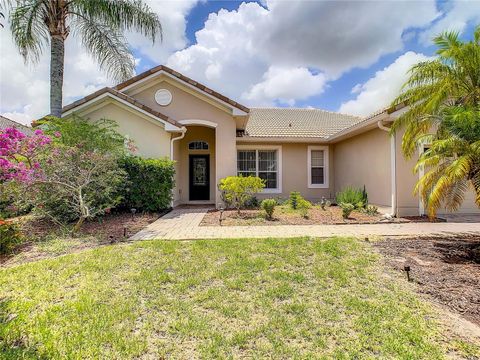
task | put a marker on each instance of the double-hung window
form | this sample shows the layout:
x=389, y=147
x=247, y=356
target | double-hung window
x=317, y=166
x=264, y=162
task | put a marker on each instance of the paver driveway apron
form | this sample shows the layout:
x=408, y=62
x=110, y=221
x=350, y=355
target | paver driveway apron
x=184, y=223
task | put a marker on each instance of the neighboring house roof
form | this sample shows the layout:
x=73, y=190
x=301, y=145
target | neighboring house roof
x=184, y=78
x=135, y=103
x=8, y=123
x=297, y=123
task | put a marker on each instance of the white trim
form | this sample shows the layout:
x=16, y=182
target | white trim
x=393, y=166
x=278, y=148
x=238, y=112
x=198, y=122
x=168, y=126
x=326, y=173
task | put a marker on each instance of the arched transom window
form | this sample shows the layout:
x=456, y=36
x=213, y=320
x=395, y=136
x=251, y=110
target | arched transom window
x=198, y=145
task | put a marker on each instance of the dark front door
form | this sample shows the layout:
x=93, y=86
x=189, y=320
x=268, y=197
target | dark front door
x=199, y=173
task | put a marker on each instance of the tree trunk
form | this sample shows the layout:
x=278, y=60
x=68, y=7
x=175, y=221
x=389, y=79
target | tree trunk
x=78, y=225
x=57, y=58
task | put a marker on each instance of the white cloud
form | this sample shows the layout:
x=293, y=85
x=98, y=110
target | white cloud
x=286, y=85
x=236, y=50
x=24, y=90
x=383, y=87
x=455, y=18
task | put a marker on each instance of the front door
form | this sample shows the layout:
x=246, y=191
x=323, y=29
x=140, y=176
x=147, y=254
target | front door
x=199, y=173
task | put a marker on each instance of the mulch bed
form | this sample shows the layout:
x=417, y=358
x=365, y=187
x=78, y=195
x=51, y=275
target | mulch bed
x=111, y=228
x=447, y=269
x=284, y=216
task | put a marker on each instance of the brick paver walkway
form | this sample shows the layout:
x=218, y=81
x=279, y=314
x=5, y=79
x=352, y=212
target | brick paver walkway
x=183, y=223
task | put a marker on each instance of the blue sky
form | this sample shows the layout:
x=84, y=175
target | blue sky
x=340, y=56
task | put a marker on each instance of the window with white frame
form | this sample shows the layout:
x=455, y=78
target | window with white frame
x=317, y=166
x=261, y=162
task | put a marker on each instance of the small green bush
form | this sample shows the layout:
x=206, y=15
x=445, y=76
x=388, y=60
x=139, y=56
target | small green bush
x=371, y=210
x=324, y=204
x=350, y=195
x=237, y=190
x=294, y=199
x=10, y=236
x=268, y=205
x=303, y=207
x=149, y=183
x=347, y=209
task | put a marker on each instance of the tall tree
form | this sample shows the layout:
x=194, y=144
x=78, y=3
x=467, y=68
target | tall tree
x=451, y=78
x=443, y=99
x=100, y=25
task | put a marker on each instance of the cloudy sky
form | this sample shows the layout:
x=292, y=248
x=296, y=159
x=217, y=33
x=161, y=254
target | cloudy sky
x=342, y=56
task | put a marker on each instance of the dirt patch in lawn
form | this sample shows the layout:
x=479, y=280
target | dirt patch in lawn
x=44, y=238
x=447, y=269
x=284, y=215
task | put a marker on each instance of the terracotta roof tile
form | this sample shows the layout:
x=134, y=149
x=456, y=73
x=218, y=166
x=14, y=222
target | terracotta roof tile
x=297, y=123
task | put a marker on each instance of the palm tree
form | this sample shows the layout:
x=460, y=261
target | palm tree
x=453, y=160
x=452, y=78
x=100, y=25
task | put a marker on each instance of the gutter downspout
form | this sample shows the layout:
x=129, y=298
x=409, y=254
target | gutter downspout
x=393, y=166
x=184, y=131
x=172, y=140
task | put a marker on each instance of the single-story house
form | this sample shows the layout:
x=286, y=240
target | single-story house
x=210, y=136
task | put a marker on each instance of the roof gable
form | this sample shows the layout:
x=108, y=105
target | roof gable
x=161, y=69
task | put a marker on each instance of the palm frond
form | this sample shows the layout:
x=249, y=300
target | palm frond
x=108, y=47
x=121, y=15
x=28, y=29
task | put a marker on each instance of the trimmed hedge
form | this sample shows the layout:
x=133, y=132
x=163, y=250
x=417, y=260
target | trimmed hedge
x=149, y=185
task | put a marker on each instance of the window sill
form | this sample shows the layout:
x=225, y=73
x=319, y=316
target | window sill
x=318, y=186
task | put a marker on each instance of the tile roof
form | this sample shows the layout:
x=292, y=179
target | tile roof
x=184, y=78
x=124, y=97
x=297, y=123
x=6, y=123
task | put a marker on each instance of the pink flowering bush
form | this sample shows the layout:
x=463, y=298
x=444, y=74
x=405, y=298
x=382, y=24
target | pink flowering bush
x=20, y=154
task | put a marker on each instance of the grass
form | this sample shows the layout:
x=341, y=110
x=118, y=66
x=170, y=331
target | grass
x=280, y=298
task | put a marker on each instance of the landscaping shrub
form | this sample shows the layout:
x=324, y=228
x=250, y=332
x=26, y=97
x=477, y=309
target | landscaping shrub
x=10, y=236
x=149, y=183
x=347, y=209
x=303, y=206
x=237, y=190
x=324, y=204
x=350, y=195
x=371, y=210
x=294, y=199
x=252, y=203
x=268, y=205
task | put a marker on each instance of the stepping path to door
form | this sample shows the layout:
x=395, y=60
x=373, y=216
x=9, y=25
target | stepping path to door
x=184, y=223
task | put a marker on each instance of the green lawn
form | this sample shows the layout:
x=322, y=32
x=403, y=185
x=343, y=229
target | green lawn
x=277, y=298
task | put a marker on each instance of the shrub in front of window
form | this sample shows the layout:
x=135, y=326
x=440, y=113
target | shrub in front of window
x=347, y=209
x=149, y=183
x=351, y=195
x=237, y=190
x=268, y=205
x=294, y=199
x=10, y=236
x=303, y=207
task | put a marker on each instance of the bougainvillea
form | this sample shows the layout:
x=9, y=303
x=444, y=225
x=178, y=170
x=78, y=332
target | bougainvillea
x=19, y=154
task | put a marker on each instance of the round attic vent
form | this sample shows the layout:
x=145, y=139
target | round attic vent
x=163, y=97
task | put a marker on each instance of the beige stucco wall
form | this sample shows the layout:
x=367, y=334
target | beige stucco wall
x=181, y=155
x=365, y=160
x=188, y=105
x=295, y=172
x=150, y=137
